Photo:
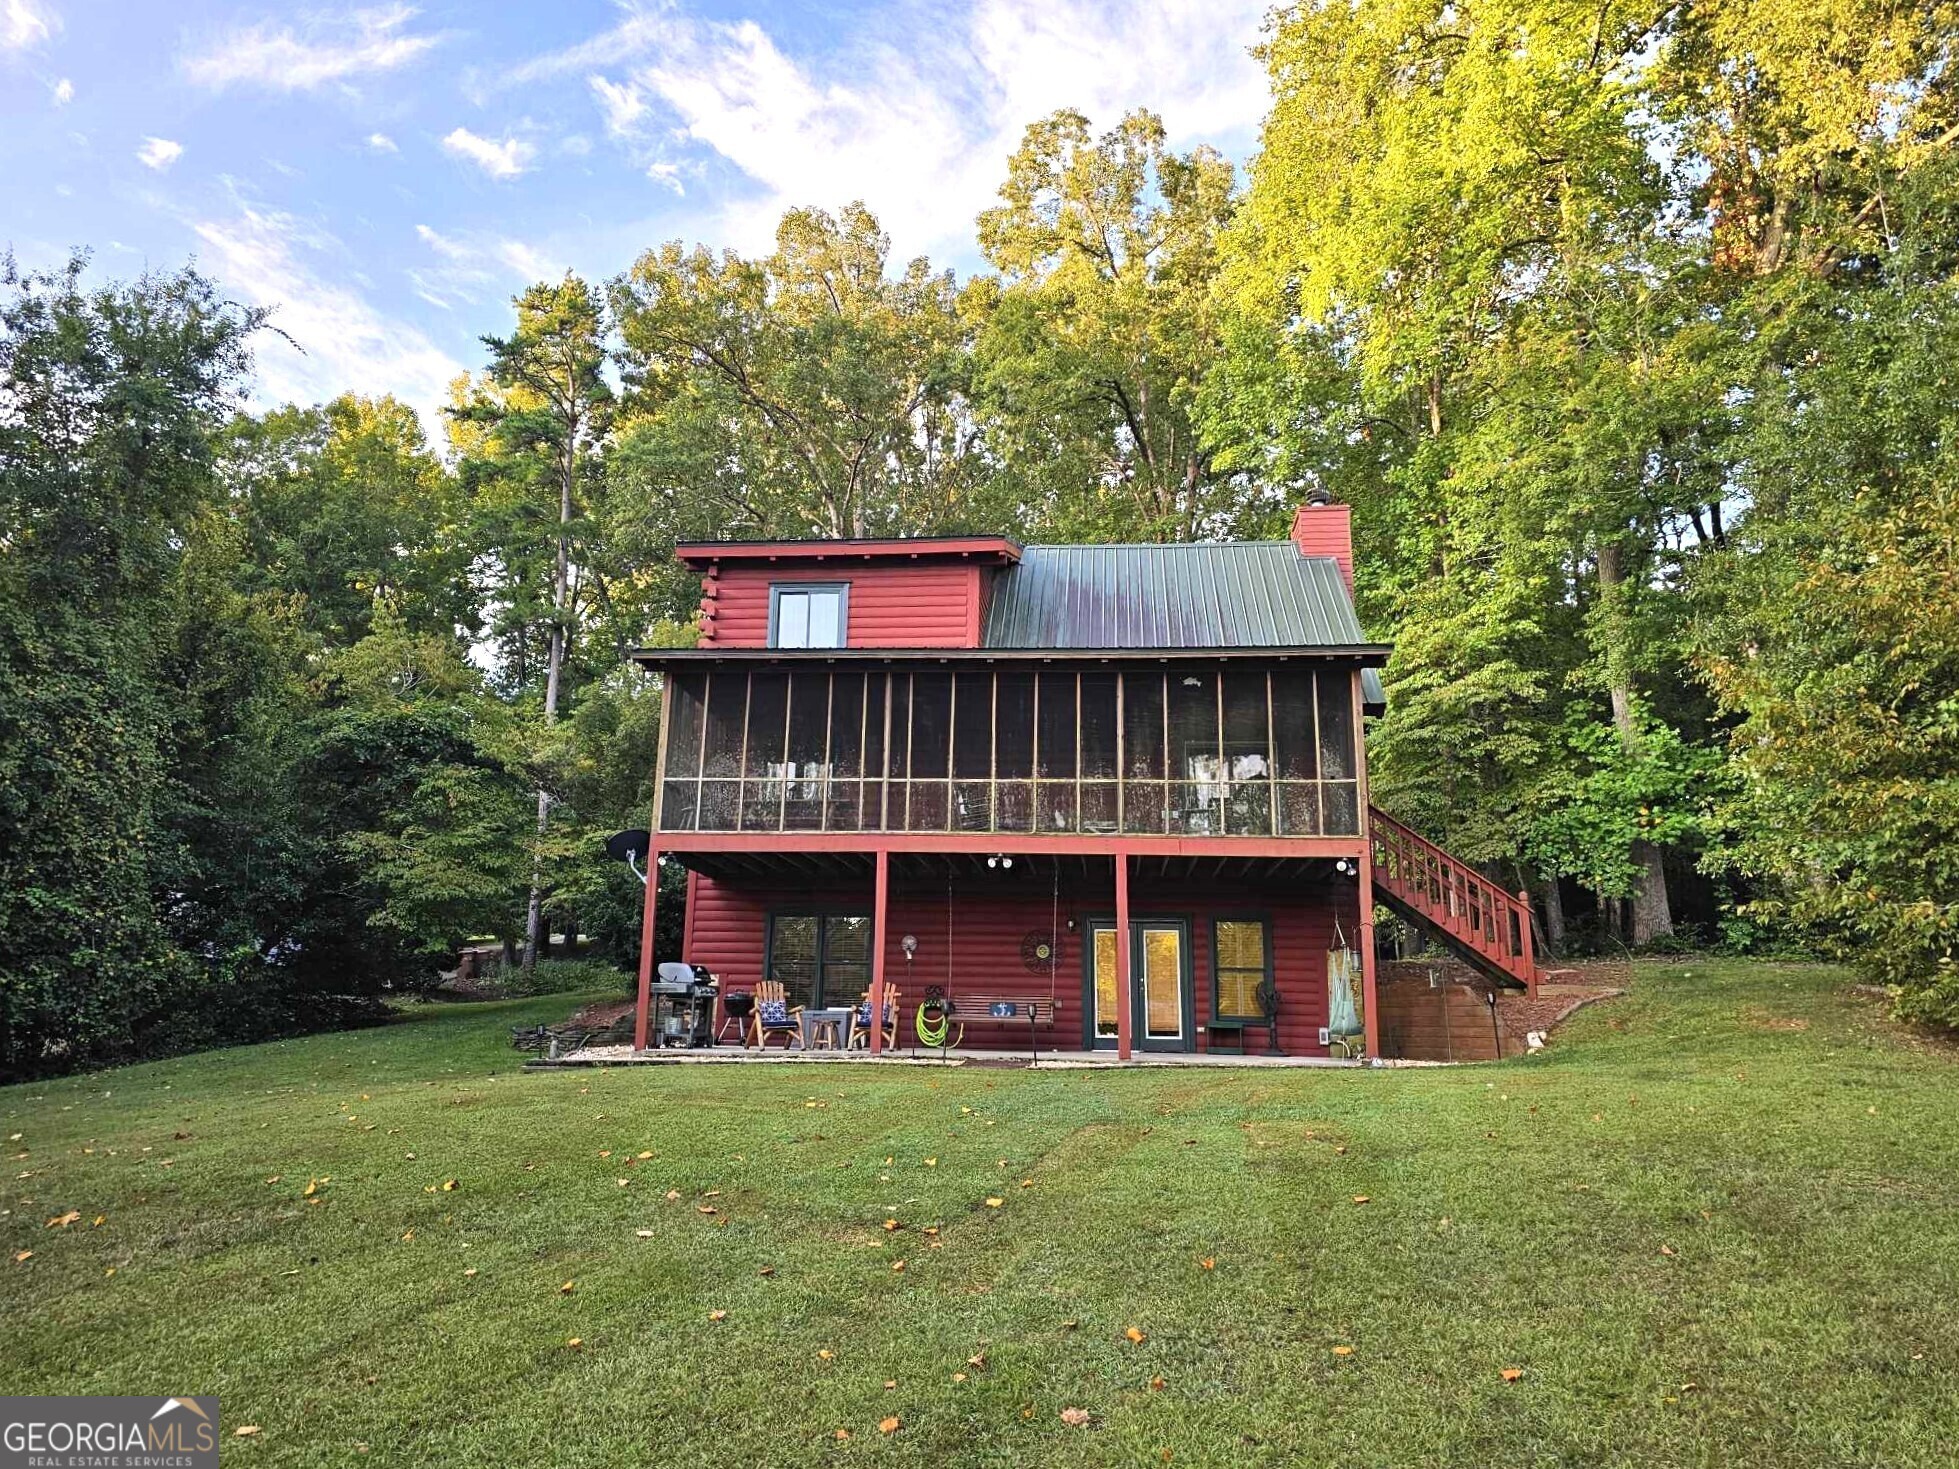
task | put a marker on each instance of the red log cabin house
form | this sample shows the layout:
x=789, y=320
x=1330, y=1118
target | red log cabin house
x=1129, y=781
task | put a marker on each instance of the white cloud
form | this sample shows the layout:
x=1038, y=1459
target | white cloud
x=667, y=174
x=64, y=92
x=381, y=143
x=25, y=23
x=622, y=105
x=159, y=153
x=442, y=245
x=501, y=160
x=340, y=342
x=328, y=49
x=922, y=133
x=472, y=266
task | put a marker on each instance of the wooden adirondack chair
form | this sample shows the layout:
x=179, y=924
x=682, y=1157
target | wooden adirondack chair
x=774, y=1015
x=860, y=1027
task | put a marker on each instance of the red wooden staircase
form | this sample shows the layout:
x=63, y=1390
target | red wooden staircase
x=1471, y=915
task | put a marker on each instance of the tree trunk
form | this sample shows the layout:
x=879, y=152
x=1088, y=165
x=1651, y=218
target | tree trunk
x=1652, y=915
x=1551, y=914
x=560, y=584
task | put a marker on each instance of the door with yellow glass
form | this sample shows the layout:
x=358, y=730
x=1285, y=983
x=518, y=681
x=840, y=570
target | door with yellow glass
x=1162, y=995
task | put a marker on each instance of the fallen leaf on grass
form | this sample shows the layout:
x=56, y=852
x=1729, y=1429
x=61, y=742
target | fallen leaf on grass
x=958, y=1377
x=244, y=1430
x=1208, y=1263
x=824, y=1354
x=1075, y=1417
x=1343, y=1351
x=843, y=1435
x=449, y=1185
x=21, y=1257
x=897, y=1267
x=568, y=1287
x=889, y=1425
x=1137, y=1335
x=994, y=1203
x=766, y=1271
x=1666, y=1249
x=1511, y=1374
x=706, y=1209
x=470, y=1274
x=62, y=1221
x=673, y=1193
x=891, y=1224
x=978, y=1359
x=575, y=1343
x=717, y=1315
x=890, y=1384
x=644, y=1233
x=1362, y=1199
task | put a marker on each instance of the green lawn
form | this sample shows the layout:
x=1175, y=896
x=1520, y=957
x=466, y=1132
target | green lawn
x=1717, y=1224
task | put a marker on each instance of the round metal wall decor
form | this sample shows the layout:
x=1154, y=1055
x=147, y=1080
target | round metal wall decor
x=1039, y=951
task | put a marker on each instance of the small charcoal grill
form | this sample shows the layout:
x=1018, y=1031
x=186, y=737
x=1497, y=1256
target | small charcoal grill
x=683, y=1006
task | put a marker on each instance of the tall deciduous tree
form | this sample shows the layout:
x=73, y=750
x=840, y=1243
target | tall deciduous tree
x=810, y=392
x=547, y=412
x=1092, y=341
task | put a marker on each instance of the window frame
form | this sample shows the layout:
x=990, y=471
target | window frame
x=1264, y=921
x=842, y=590
x=823, y=913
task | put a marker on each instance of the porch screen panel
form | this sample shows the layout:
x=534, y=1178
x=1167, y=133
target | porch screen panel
x=763, y=766
x=1054, y=752
x=727, y=710
x=972, y=752
x=874, y=752
x=930, y=751
x=1195, y=796
x=1340, y=791
x=1296, y=746
x=1100, y=759
x=840, y=801
x=1144, y=801
x=805, y=768
x=1013, y=751
x=1247, y=755
x=681, y=794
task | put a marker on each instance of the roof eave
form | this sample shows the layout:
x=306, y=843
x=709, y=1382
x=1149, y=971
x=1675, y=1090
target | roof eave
x=1367, y=655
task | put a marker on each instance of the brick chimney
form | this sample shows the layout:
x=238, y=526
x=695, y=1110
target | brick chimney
x=1321, y=528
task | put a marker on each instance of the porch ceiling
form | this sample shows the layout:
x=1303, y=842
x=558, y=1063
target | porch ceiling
x=1028, y=871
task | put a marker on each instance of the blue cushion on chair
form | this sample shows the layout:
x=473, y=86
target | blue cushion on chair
x=774, y=1014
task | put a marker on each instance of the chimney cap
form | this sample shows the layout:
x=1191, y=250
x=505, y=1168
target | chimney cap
x=1318, y=495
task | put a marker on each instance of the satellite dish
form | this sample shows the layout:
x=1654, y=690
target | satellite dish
x=624, y=846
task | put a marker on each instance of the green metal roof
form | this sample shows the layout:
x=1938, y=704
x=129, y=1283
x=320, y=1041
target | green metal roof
x=1243, y=594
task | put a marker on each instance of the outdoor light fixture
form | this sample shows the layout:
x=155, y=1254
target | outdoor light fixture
x=909, y=943
x=1343, y=866
x=999, y=861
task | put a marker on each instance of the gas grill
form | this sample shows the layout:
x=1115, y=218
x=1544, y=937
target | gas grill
x=683, y=1006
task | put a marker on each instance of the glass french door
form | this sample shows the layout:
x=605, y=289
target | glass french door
x=1162, y=995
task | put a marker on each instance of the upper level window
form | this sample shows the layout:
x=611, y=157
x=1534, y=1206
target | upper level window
x=807, y=616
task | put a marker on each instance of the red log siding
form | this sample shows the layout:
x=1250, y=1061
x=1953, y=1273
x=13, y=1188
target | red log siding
x=726, y=923
x=915, y=604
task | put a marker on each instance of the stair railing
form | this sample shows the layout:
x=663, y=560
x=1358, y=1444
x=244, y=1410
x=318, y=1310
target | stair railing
x=1465, y=905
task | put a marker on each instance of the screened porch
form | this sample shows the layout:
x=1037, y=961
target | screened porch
x=1165, y=749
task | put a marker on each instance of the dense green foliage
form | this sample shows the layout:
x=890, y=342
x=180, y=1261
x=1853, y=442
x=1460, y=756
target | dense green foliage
x=1716, y=1224
x=1627, y=332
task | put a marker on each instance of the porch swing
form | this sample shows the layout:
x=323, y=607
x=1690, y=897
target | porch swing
x=940, y=1020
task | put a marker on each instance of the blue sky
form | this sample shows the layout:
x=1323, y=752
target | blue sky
x=389, y=175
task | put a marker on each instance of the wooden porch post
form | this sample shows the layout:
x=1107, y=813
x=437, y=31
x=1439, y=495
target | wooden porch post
x=879, y=907
x=1123, y=1019
x=1370, y=1015
x=646, y=948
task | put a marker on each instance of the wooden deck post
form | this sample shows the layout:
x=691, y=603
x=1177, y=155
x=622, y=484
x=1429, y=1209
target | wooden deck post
x=646, y=949
x=879, y=906
x=1370, y=1009
x=1123, y=974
